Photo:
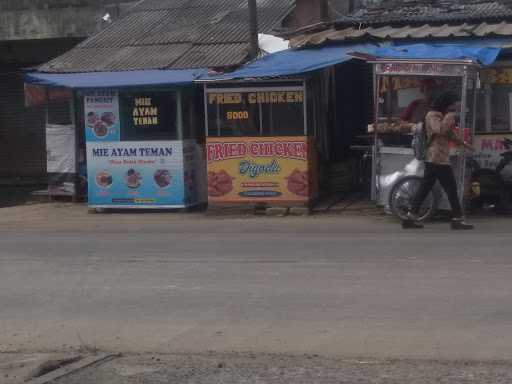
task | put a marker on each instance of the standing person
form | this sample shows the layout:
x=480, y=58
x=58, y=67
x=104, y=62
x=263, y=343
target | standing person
x=415, y=112
x=439, y=124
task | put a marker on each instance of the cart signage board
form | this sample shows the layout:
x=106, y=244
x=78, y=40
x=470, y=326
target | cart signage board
x=101, y=108
x=488, y=149
x=421, y=69
x=259, y=169
x=497, y=76
x=143, y=174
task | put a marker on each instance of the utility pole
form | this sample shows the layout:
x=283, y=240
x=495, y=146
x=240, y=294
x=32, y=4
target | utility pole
x=253, y=30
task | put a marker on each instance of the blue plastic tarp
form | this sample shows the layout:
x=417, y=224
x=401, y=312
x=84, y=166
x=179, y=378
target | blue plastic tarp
x=300, y=61
x=115, y=79
x=293, y=62
x=485, y=55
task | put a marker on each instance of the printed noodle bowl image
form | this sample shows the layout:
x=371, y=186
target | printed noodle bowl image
x=133, y=179
x=100, y=129
x=104, y=179
x=108, y=118
x=162, y=178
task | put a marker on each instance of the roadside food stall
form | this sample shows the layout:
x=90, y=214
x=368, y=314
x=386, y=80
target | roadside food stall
x=141, y=149
x=143, y=130
x=396, y=174
x=258, y=147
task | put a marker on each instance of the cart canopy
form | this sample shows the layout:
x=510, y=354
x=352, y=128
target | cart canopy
x=484, y=55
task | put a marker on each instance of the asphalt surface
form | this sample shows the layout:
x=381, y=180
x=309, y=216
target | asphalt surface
x=338, y=286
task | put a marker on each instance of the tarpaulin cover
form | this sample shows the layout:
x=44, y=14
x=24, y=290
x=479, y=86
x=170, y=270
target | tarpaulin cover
x=115, y=79
x=285, y=63
x=294, y=62
x=61, y=166
x=485, y=55
x=297, y=61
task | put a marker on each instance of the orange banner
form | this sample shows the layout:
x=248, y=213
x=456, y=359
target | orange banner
x=260, y=169
x=36, y=95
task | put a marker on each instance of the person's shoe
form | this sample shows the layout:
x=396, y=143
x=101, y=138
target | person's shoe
x=411, y=222
x=461, y=225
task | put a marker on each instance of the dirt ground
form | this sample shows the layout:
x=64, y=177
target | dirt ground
x=212, y=368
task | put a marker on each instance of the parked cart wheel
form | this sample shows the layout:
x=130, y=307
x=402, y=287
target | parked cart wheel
x=401, y=197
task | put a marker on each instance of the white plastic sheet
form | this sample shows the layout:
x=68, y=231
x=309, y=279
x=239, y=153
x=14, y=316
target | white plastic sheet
x=60, y=148
x=272, y=44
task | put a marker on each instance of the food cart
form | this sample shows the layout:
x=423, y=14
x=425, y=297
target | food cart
x=396, y=174
x=258, y=147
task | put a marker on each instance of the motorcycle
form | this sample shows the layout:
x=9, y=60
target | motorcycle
x=489, y=188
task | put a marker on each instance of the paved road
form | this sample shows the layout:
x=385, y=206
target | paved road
x=340, y=286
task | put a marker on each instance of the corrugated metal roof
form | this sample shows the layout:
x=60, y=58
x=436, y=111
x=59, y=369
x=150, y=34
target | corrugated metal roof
x=173, y=34
x=215, y=55
x=389, y=32
x=423, y=11
x=117, y=58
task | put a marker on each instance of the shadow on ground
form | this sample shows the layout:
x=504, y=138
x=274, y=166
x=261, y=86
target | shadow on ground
x=14, y=196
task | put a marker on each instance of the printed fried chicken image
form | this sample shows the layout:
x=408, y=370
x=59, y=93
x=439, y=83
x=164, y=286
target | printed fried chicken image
x=298, y=183
x=219, y=183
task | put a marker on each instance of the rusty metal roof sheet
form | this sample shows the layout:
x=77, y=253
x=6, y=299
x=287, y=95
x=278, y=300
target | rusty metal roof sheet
x=423, y=11
x=388, y=32
x=159, y=34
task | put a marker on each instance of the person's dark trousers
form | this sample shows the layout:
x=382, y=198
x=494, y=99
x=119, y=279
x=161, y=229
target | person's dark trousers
x=444, y=174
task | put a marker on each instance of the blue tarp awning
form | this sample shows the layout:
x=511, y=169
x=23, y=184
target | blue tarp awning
x=299, y=61
x=115, y=79
x=293, y=62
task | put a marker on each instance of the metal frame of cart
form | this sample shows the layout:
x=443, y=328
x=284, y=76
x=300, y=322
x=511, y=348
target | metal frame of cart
x=468, y=72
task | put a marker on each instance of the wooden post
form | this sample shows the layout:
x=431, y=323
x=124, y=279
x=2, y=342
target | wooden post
x=179, y=115
x=72, y=111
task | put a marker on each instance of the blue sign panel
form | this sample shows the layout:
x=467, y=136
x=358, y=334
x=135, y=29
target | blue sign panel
x=142, y=174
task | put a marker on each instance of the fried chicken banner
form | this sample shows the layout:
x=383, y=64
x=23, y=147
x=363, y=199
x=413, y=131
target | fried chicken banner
x=260, y=169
